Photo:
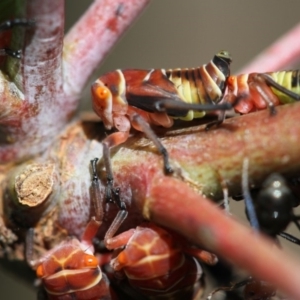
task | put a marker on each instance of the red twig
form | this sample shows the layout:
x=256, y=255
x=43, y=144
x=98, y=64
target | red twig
x=92, y=37
x=271, y=144
x=207, y=225
x=281, y=55
x=204, y=159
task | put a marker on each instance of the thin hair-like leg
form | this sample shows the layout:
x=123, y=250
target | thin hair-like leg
x=152, y=136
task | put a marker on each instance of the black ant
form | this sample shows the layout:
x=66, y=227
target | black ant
x=273, y=205
x=9, y=24
x=270, y=211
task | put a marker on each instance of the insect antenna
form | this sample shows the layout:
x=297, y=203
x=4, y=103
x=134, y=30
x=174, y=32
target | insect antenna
x=247, y=197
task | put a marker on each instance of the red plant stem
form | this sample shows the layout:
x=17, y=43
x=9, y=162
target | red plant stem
x=271, y=144
x=31, y=119
x=204, y=223
x=282, y=54
x=34, y=118
x=42, y=56
x=92, y=37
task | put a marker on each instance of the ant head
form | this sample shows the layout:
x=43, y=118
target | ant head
x=274, y=205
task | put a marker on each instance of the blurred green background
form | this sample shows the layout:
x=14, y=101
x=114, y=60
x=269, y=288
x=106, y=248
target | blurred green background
x=177, y=33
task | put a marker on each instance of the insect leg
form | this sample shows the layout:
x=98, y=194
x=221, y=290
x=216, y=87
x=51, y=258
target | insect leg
x=29, y=244
x=115, y=197
x=296, y=221
x=166, y=105
x=95, y=191
x=225, y=196
x=90, y=232
x=247, y=197
x=202, y=255
x=109, y=189
x=113, y=139
x=119, y=219
x=11, y=53
x=289, y=237
x=136, y=118
x=171, y=105
x=120, y=240
x=271, y=82
x=9, y=24
x=230, y=288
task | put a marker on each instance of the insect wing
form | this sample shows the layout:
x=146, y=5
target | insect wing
x=145, y=88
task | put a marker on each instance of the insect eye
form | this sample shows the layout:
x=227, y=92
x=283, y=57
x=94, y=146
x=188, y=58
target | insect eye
x=90, y=261
x=40, y=271
x=103, y=92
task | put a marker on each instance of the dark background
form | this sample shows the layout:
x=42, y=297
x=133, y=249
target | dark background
x=177, y=33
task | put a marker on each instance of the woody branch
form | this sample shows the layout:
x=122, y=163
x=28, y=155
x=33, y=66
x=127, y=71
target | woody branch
x=46, y=92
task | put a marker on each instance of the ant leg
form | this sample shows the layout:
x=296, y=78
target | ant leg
x=11, y=53
x=225, y=198
x=29, y=242
x=230, y=288
x=138, y=121
x=29, y=247
x=290, y=238
x=247, y=197
x=296, y=221
x=95, y=191
x=9, y=24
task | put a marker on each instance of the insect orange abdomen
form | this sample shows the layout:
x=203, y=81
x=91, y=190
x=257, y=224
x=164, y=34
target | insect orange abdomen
x=64, y=273
x=155, y=263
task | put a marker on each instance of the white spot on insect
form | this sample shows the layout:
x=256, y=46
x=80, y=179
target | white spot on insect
x=148, y=75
